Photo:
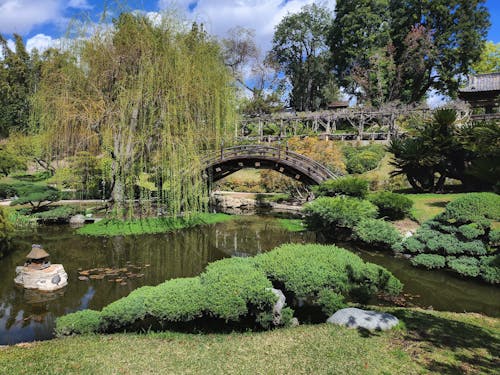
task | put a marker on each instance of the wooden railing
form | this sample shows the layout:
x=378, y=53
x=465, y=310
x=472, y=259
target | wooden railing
x=281, y=156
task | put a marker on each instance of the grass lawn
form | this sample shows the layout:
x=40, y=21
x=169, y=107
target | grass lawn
x=110, y=227
x=426, y=206
x=426, y=342
x=292, y=225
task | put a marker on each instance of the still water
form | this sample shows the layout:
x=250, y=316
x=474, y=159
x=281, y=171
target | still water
x=28, y=315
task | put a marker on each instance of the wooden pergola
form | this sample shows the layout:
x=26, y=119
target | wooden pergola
x=482, y=91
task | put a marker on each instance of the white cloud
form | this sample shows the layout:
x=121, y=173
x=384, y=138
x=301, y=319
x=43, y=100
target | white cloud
x=436, y=99
x=41, y=42
x=80, y=4
x=219, y=16
x=20, y=16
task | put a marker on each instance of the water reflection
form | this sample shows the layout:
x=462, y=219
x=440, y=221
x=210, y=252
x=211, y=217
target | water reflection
x=27, y=315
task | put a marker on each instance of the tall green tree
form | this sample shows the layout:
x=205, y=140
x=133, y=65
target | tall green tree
x=299, y=49
x=19, y=74
x=427, y=45
x=490, y=59
x=153, y=97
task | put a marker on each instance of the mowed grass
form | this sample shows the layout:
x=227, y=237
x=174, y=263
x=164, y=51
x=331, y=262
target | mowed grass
x=292, y=225
x=426, y=206
x=151, y=225
x=425, y=342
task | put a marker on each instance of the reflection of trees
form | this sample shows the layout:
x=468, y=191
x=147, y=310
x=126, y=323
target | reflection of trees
x=178, y=254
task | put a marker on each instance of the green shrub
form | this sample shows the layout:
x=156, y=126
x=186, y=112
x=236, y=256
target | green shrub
x=430, y=261
x=377, y=232
x=327, y=213
x=7, y=191
x=465, y=266
x=391, y=205
x=177, y=300
x=37, y=195
x=305, y=270
x=413, y=245
x=475, y=247
x=232, y=285
x=494, y=237
x=330, y=301
x=80, y=322
x=125, y=311
x=490, y=268
x=236, y=289
x=348, y=185
x=471, y=231
x=473, y=207
x=362, y=159
x=60, y=212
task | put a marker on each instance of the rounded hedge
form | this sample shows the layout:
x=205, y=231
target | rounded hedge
x=473, y=207
x=391, y=205
x=429, y=261
x=348, y=186
x=465, y=266
x=377, y=232
x=327, y=213
x=236, y=289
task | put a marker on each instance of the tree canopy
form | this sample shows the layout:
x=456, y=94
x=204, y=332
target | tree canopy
x=299, y=49
x=151, y=97
x=387, y=50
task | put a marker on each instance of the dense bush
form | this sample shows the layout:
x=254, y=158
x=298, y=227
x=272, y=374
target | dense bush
x=473, y=207
x=37, y=195
x=232, y=286
x=465, y=266
x=237, y=289
x=490, y=268
x=430, y=261
x=326, y=213
x=80, y=322
x=58, y=213
x=362, y=159
x=348, y=185
x=7, y=191
x=377, y=232
x=463, y=234
x=330, y=301
x=305, y=270
x=391, y=205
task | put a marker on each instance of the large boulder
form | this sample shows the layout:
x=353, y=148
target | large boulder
x=357, y=318
x=278, y=306
x=48, y=279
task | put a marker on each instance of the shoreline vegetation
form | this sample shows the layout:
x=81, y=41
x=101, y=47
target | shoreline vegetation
x=425, y=342
x=114, y=227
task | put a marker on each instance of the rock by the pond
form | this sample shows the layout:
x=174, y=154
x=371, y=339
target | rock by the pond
x=294, y=322
x=278, y=306
x=357, y=318
x=77, y=220
x=48, y=279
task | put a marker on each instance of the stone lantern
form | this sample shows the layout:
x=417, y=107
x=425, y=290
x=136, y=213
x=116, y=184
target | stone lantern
x=38, y=273
x=37, y=258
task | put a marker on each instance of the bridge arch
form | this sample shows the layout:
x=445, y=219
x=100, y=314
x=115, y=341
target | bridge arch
x=289, y=163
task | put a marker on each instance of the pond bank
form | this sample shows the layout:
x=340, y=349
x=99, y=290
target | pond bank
x=427, y=342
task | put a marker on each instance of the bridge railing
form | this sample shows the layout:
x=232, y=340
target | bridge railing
x=278, y=154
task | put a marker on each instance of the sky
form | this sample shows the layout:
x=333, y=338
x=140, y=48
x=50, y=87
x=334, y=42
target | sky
x=42, y=22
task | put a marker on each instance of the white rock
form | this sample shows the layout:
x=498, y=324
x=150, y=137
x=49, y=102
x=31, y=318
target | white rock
x=49, y=279
x=357, y=318
x=77, y=219
x=278, y=306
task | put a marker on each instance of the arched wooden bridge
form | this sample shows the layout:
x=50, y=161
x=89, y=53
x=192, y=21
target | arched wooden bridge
x=292, y=164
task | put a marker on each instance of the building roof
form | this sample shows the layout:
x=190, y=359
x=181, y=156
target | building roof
x=482, y=82
x=37, y=253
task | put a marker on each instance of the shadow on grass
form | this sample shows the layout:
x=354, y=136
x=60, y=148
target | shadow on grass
x=441, y=204
x=457, y=337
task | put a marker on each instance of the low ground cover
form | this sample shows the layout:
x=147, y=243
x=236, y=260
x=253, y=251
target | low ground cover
x=237, y=291
x=426, y=342
x=461, y=238
x=112, y=227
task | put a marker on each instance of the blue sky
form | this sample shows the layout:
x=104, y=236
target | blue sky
x=40, y=22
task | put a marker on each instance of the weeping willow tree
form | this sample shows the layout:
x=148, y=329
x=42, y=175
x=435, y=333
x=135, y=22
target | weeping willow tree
x=150, y=95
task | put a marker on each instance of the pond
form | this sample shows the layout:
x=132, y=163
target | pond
x=149, y=260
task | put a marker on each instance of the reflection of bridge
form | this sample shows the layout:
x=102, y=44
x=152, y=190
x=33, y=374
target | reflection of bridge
x=296, y=166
